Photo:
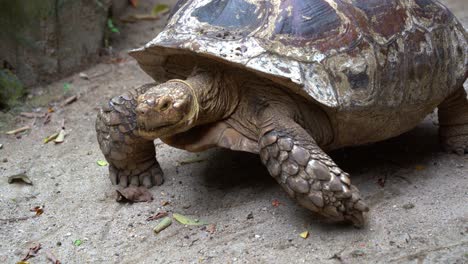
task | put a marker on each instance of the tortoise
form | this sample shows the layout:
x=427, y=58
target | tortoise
x=291, y=80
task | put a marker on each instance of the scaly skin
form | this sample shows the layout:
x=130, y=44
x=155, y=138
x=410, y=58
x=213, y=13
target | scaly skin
x=129, y=123
x=306, y=173
x=132, y=159
x=453, y=121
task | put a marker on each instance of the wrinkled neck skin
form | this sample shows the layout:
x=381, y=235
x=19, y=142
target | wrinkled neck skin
x=216, y=93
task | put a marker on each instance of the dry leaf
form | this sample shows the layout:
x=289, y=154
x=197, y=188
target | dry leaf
x=157, y=216
x=134, y=194
x=419, y=167
x=38, y=209
x=60, y=137
x=84, y=76
x=19, y=178
x=211, y=228
x=275, y=203
x=134, y=3
x=304, y=234
x=160, y=9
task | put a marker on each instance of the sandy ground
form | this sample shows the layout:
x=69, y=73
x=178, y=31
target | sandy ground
x=420, y=214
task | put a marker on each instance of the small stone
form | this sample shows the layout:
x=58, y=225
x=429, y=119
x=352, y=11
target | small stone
x=5, y=160
x=59, y=243
x=250, y=216
x=357, y=253
x=285, y=144
x=408, y=206
x=1, y=146
x=300, y=155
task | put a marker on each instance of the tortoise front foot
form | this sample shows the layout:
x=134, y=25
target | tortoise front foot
x=310, y=176
x=132, y=159
x=147, y=174
x=453, y=121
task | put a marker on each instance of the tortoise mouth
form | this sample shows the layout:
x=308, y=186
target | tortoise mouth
x=152, y=130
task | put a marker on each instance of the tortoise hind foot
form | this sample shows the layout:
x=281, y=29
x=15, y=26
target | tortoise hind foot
x=132, y=159
x=310, y=176
x=453, y=121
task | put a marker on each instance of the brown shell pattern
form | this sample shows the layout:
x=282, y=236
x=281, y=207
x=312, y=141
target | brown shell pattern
x=345, y=54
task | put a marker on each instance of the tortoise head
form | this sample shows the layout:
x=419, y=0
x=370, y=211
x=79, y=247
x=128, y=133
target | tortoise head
x=166, y=109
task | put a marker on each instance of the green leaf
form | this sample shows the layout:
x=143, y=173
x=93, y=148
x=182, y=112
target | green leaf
x=187, y=221
x=66, y=87
x=102, y=163
x=51, y=137
x=111, y=26
x=77, y=242
x=160, y=9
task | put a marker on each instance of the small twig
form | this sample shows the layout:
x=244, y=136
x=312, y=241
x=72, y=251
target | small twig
x=426, y=251
x=69, y=100
x=47, y=118
x=6, y=220
x=32, y=252
x=189, y=161
x=32, y=115
x=52, y=258
x=18, y=130
x=100, y=74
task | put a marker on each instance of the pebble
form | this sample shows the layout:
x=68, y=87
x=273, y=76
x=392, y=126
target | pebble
x=408, y=206
x=5, y=160
x=250, y=216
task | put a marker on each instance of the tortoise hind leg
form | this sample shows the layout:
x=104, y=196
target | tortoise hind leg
x=453, y=121
x=132, y=159
x=307, y=173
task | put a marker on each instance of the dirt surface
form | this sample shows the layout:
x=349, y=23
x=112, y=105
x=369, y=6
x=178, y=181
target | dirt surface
x=417, y=194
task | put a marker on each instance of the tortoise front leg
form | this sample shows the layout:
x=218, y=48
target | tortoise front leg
x=307, y=173
x=132, y=159
x=453, y=121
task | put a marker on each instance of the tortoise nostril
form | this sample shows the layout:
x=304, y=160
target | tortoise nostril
x=141, y=110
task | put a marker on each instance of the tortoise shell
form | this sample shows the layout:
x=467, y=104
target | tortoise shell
x=342, y=54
